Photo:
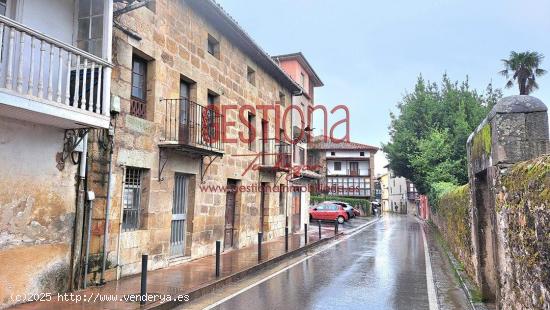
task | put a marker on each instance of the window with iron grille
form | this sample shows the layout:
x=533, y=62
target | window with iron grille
x=139, y=87
x=132, y=198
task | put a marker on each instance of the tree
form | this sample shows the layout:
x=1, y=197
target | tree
x=525, y=69
x=428, y=136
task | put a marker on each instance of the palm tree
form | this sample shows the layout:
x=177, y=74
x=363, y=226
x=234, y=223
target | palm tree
x=525, y=68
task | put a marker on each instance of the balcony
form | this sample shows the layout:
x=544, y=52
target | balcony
x=46, y=81
x=350, y=172
x=412, y=195
x=191, y=128
x=275, y=155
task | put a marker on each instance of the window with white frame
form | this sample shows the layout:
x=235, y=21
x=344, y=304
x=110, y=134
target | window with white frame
x=90, y=26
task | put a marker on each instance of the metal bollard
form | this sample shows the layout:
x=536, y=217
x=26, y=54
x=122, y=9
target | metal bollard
x=336, y=227
x=305, y=234
x=143, y=292
x=319, y=222
x=260, y=235
x=218, y=252
x=286, y=239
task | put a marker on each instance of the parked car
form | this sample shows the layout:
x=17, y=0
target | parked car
x=328, y=211
x=356, y=212
x=349, y=209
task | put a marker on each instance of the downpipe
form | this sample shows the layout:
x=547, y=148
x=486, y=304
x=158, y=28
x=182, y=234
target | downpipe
x=118, y=268
x=108, y=204
x=76, y=260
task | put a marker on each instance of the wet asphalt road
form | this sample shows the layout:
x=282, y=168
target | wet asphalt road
x=381, y=267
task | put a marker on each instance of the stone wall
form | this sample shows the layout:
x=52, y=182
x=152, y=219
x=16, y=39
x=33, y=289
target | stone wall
x=523, y=215
x=505, y=206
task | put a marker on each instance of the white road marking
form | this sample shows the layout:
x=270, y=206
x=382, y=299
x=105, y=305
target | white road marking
x=432, y=299
x=221, y=301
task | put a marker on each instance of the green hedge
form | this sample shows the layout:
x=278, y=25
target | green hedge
x=452, y=217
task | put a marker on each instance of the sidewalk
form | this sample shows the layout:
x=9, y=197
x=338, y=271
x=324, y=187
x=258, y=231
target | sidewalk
x=195, y=277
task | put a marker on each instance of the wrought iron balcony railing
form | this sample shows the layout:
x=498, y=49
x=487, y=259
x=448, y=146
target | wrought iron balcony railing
x=187, y=123
x=350, y=172
x=39, y=69
x=275, y=154
x=412, y=195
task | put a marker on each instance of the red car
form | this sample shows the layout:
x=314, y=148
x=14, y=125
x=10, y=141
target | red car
x=328, y=211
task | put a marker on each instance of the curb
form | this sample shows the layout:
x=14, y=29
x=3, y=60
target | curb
x=216, y=284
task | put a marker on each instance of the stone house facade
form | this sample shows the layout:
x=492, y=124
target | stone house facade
x=173, y=61
x=45, y=119
x=300, y=70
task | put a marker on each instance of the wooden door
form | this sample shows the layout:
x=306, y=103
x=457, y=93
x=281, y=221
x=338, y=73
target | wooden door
x=230, y=214
x=263, y=206
x=354, y=168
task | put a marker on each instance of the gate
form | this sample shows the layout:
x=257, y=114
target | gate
x=179, y=215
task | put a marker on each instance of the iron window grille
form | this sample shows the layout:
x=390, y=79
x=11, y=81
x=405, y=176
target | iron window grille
x=132, y=199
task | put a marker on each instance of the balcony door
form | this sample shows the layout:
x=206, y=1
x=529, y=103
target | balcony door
x=354, y=168
x=184, y=128
x=265, y=146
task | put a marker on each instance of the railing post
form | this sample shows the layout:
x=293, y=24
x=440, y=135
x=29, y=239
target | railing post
x=319, y=222
x=305, y=234
x=260, y=236
x=335, y=227
x=286, y=239
x=143, y=291
x=218, y=250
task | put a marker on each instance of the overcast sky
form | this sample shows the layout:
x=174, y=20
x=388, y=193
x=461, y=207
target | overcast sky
x=369, y=53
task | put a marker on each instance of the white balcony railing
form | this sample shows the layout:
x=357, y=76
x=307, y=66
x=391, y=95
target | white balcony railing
x=36, y=67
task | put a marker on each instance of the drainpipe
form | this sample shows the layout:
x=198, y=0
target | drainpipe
x=118, y=271
x=75, y=278
x=295, y=94
x=108, y=204
x=91, y=197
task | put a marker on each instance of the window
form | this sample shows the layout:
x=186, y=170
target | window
x=361, y=153
x=139, y=87
x=251, y=133
x=132, y=198
x=302, y=79
x=282, y=99
x=282, y=202
x=337, y=166
x=3, y=6
x=152, y=6
x=90, y=26
x=213, y=46
x=301, y=156
x=251, y=75
x=332, y=153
